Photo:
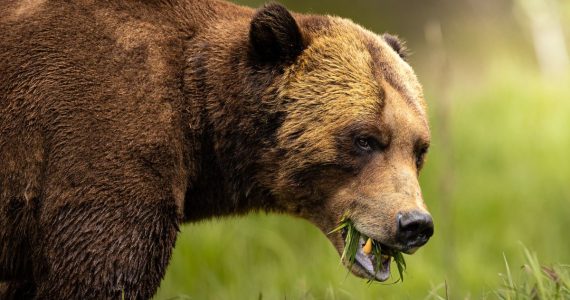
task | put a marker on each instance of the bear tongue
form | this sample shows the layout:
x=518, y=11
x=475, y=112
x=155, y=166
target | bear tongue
x=367, y=262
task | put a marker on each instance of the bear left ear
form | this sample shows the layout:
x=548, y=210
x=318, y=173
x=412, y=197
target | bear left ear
x=398, y=45
x=275, y=35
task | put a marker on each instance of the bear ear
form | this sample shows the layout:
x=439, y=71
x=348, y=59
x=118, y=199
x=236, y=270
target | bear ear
x=275, y=35
x=398, y=45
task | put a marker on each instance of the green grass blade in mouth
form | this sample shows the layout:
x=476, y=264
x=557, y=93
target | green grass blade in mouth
x=351, y=246
x=400, y=263
x=351, y=240
x=341, y=226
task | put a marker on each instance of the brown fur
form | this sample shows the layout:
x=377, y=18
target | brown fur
x=119, y=120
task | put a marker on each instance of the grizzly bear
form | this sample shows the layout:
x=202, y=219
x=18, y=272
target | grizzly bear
x=120, y=120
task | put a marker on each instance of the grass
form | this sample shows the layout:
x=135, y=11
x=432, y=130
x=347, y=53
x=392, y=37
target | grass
x=536, y=281
x=532, y=281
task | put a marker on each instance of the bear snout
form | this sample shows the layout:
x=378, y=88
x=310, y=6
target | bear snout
x=414, y=228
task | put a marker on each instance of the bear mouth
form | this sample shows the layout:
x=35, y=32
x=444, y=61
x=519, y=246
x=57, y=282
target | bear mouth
x=366, y=265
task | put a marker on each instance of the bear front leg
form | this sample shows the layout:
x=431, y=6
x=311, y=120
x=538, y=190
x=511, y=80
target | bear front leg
x=109, y=248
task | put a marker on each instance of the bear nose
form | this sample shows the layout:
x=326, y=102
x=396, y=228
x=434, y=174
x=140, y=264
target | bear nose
x=414, y=228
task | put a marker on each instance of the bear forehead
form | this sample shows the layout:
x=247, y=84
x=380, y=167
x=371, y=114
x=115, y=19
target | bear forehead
x=346, y=67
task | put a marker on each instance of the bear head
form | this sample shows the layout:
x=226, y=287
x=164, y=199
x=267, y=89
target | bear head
x=355, y=133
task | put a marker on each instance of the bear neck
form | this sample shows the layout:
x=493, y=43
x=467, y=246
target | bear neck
x=234, y=114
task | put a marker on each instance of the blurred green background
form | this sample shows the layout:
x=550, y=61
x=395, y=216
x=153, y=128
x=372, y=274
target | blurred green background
x=496, y=77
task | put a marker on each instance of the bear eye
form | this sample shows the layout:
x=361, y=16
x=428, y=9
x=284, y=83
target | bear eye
x=365, y=144
x=420, y=157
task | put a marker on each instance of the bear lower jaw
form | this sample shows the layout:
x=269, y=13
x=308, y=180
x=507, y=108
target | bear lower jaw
x=364, y=265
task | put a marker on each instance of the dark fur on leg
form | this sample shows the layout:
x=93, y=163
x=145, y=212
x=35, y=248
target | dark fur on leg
x=100, y=251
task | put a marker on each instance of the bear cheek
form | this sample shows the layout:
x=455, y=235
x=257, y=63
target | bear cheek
x=318, y=203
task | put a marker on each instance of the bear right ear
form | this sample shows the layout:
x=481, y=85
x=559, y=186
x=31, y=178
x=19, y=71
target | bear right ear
x=275, y=35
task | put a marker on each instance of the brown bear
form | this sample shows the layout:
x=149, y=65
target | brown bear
x=119, y=120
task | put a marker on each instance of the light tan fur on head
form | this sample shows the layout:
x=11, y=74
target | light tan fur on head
x=332, y=85
x=351, y=82
x=22, y=9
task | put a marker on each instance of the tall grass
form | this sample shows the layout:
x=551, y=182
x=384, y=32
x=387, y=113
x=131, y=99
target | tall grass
x=536, y=281
x=532, y=281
